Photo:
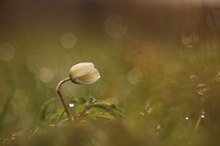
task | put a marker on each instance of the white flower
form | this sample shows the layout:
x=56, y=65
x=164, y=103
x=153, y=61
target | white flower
x=84, y=73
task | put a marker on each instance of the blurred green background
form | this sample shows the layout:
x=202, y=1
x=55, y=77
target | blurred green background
x=159, y=62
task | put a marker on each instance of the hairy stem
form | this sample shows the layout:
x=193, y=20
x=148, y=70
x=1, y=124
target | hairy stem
x=61, y=97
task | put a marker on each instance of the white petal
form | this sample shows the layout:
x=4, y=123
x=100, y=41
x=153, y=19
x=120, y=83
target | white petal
x=89, y=78
x=80, y=70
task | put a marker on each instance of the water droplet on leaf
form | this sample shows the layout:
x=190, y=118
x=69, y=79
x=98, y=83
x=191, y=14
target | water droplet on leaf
x=148, y=108
x=142, y=113
x=71, y=104
x=202, y=89
x=187, y=117
x=158, y=127
x=203, y=115
x=192, y=77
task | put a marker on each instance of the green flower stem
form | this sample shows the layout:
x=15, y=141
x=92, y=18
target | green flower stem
x=61, y=97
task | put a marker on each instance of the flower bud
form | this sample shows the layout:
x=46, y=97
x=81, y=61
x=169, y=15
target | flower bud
x=84, y=73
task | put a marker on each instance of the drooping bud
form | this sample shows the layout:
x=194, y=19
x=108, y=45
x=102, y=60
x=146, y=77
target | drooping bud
x=84, y=73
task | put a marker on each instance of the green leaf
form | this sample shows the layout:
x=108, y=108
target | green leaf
x=56, y=115
x=113, y=110
x=45, y=106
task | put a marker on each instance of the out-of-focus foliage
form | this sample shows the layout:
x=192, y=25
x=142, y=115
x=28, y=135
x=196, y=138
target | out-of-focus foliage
x=168, y=98
x=159, y=85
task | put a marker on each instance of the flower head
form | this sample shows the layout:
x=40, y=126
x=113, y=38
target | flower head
x=84, y=73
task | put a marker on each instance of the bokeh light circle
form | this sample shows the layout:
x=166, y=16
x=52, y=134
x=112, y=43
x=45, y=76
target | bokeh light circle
x=7, y=52
x=68, y=40
x=46, y=75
